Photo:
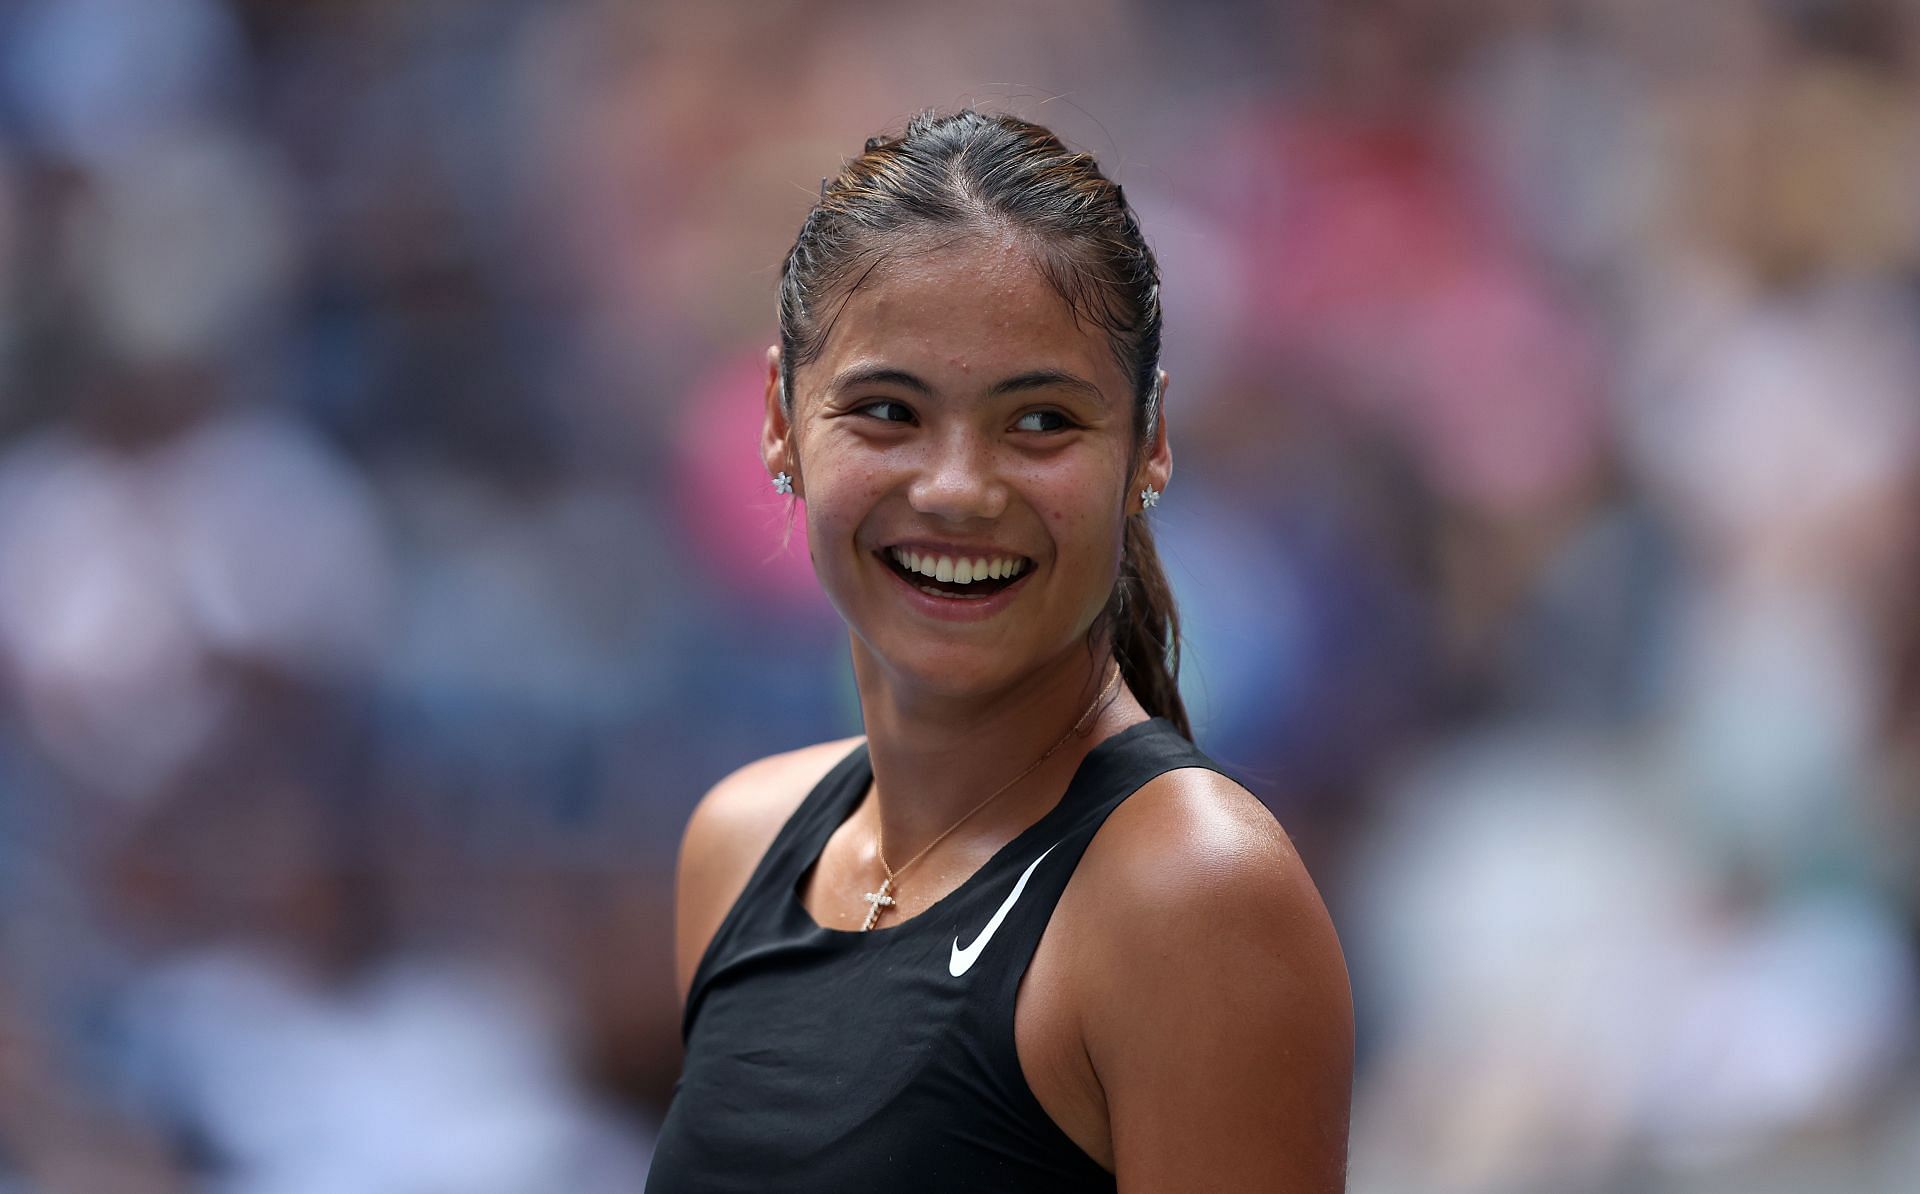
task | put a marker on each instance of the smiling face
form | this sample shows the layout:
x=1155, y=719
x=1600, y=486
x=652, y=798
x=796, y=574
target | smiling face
x=959, y=419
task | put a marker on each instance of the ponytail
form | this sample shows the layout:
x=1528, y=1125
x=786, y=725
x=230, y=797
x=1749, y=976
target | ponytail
x=1146, y=628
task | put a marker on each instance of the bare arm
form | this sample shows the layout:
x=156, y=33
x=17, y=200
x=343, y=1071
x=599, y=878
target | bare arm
x=1220, y=1020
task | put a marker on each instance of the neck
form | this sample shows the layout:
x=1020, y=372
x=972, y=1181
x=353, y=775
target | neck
x=935, y=756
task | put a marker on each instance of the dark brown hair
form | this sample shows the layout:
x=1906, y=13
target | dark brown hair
x=969, y=168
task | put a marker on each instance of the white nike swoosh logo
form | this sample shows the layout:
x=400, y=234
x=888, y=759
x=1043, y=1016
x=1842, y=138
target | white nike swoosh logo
x=963, y=959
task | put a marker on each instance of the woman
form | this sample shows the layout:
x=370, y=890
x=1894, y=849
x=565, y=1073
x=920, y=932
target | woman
x=1022, y=935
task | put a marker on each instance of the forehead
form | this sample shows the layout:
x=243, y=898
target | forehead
x=962, y=312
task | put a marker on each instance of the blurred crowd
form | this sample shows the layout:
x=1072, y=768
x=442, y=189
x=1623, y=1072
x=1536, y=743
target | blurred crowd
x=386, y=565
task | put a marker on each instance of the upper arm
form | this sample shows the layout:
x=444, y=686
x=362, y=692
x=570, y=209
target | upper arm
x=1220, y=1021
x=729, y=831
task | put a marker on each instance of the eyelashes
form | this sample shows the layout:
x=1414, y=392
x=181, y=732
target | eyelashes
x=866, y=410
x=887, y=410
x=1062, y=422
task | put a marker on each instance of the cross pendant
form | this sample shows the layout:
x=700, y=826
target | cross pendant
x=879, y=899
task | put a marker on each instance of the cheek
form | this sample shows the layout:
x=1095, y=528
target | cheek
x=839, y=498
x=1079, y=498
x=1086, y=526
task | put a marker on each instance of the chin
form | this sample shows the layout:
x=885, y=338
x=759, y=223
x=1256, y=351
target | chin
x=948, y=669
x=959, y=669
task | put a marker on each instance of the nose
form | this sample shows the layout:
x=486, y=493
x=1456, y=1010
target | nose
x=958, y=480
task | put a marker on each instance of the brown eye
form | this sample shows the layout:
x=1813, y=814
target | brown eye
x=1043, y=420
x=887, y=412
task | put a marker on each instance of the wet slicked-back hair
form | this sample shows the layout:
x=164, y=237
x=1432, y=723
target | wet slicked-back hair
x=968, y=172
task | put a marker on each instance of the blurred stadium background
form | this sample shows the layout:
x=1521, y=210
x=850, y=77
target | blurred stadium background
x=386, y=566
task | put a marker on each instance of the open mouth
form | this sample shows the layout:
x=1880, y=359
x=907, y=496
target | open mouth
x=958, y=577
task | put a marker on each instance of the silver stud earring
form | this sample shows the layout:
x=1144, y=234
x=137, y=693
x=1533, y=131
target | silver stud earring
x=1149, y=498
x=782, y=483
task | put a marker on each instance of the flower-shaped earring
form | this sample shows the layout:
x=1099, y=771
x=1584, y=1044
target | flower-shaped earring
x=782, y=483
x=1149, y=498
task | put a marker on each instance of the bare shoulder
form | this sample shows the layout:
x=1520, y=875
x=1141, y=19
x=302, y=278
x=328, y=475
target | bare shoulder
x=1216, y=1009
x=728, y=832
x=1188, y=835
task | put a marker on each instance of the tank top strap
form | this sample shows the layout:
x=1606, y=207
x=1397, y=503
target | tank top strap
x=827, y=1060
x=807, y=829
x=1115, y=770
x=759, y=909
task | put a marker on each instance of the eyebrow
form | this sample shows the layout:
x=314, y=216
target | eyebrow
x=1033, y=379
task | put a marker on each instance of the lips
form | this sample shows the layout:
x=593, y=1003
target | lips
x=981, y=595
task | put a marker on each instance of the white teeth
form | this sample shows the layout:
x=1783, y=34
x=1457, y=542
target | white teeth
x=961, y=571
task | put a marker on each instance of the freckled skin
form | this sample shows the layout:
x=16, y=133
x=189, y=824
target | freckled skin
x=966, y=465
x=1184, y=1041
x=1134, y=1022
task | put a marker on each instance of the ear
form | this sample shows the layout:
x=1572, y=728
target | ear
x=775, y=429
x=1156, y=469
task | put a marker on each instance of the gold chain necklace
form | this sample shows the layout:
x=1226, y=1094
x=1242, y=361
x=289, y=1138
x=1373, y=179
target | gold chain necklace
x=883, y=898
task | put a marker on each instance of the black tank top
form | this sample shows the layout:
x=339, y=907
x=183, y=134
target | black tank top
x=842, y=1062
